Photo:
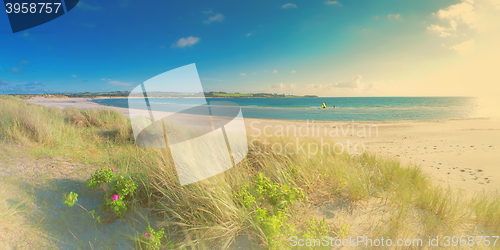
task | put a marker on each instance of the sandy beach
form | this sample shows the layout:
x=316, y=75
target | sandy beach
x=457, y=153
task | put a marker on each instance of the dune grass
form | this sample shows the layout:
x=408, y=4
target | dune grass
x=213, y=212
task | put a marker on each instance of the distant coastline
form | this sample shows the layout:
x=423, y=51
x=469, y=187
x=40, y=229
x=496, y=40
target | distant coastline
x=156, y=94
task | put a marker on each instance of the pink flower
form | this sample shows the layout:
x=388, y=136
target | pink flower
x=115, y=197
x=147, y=235
x=112, y=170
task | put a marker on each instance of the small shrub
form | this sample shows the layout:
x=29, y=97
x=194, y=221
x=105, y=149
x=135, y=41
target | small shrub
x=116, y=199
x=121, y=190
x=244, y=196
x=274, y=227
x=70, y=199
x=275, y=196
x=278, y=195
x=100, y=176
x=316, y=229
x=151, y=239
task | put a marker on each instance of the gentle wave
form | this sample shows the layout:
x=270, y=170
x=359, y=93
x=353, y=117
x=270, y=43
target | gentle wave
x=352, y=108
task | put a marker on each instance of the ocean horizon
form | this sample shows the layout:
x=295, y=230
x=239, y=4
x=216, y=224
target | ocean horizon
x=338, y=108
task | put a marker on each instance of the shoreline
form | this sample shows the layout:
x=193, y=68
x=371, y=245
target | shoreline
x=52, y=102
x=459, y=153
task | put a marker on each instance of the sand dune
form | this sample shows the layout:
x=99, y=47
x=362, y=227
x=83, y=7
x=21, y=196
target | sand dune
x=457, y=153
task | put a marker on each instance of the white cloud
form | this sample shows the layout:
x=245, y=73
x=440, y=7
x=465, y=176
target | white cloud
x=471, y=31
x=4, y=82
x=289, y=6
x=496, y=3
x=293, y=71
x=313, y=86
x=279, y=86
x=255, y=73
x=243, y=74
x=207, y=12
x=394, y=16
x=16, y=70
x=73, y=75
x=249, y=34
x=468, y=13
x=186, y=42
x=441, y=31
x=453, y=25
x=275, y=71
x=462, y=13
x=370, y=85
x=25, y=87
x=376, y=17
x=333, y=2
x=217, y=18
x=118, y=83
x=103, y=79
x=352, y=84
x=465, y=48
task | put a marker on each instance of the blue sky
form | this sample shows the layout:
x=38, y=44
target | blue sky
x=327, y=48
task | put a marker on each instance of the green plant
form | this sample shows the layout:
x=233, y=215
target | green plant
x=244, y=196
x=274, y=227
x=343, y=231
x=316, y=229
x=278, y=195
x=92, y=215
x=116, y=200
x=100, y=176
x=122, y=188
x=70, y=199
x=273, y=195
x=151, y=239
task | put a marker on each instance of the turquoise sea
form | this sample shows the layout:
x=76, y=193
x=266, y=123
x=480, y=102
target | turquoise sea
x=346, y=108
